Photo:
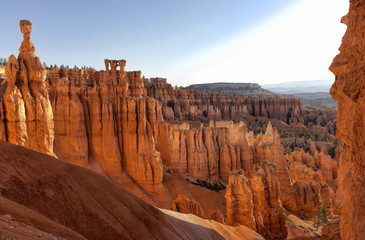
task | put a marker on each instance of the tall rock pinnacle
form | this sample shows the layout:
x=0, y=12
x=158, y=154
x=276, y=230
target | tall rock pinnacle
x=28, y=110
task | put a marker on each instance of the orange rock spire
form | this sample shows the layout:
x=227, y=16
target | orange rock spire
x=27, y=107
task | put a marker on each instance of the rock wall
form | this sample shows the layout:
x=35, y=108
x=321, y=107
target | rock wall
x=105, y=116
x=268, y=148
x=314, y=180
x=255, y=202
x=192, y=104
x=348, y=90
x=205, y=153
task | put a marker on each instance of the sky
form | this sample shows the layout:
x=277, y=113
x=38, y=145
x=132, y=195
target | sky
x=185, y=41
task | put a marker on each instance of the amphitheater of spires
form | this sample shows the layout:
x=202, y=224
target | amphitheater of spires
x=124, y=124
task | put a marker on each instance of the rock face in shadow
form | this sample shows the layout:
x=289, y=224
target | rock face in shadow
x=192, y=104
x=71, y=139
x=348, y=90
x=54, y=193
x=28, y=113
x=255, y=202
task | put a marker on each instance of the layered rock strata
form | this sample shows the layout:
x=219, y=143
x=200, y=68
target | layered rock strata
x=192, y=104
x=349, y=92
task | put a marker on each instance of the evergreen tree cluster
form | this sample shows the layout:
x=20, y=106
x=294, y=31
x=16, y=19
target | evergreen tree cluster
x=50, y=67
x=3, y=61
x=321, y=215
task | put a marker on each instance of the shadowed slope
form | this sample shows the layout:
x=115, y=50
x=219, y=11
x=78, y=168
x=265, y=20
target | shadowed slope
x=84, y=201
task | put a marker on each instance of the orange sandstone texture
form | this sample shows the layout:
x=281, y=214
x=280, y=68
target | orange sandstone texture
x=256, y=203
x=184, y=204
x=268, y=148
x=206, y=153
x=27, y=108
x=106, y=117
x=82, y=116
x=349, y=91
x=311, y=187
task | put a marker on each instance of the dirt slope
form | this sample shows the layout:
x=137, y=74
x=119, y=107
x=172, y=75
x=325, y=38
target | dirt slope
x=78, y=203
x=229, y=232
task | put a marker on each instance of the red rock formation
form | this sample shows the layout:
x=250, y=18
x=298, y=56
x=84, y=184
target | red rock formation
x=69, y=125
x=348, y=90
x=217, y=216
x=192, y=104
x=331, y=232
x=108, y=119
x=28, y=111
x=2, y=123
x=307, y=198
x=255, y=202
x=184, y=204
x=240, y=204
x=311, y=188
x=207, y=153
x=268, y=148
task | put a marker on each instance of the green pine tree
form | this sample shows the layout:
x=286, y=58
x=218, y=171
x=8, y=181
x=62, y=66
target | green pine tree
x=322, y=218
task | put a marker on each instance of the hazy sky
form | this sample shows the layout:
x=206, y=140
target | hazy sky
x=187, y=41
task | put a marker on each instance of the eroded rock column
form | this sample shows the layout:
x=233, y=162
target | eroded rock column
x=28, y=110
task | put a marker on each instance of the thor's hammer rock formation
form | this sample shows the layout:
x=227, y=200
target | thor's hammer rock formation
x=28, y=111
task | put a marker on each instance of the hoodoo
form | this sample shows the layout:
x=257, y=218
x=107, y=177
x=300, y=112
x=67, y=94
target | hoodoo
x=28, y=111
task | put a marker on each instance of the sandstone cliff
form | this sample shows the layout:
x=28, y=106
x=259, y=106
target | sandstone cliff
x=207, y=153
x=348, y=90
x=105, y=117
